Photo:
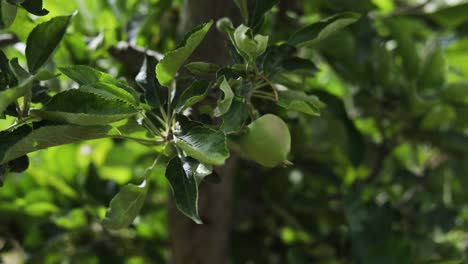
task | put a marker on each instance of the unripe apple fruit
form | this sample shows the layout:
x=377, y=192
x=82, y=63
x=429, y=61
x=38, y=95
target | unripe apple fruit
x=267, y=141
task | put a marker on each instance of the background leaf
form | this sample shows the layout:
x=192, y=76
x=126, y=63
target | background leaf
x=7, y=14
x=125, y=206
x=321, y=30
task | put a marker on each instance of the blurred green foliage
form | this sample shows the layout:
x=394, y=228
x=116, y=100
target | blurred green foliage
x=379, y=177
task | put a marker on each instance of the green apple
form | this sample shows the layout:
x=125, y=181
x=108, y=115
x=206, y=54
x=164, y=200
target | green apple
x=267, y=141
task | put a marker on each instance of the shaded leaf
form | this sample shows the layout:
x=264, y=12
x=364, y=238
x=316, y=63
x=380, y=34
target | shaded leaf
x=82, y=108
x=125, y=206
x=452, y=16
x=253, y=11
x=235, y=118
x=155, y=94
x=195, y=93
x=19, y=164
x=43, y=40
x=321, y=30
x=102, y=190
x=35, y=7
x=224, y=104
x=299, y=64
x=432, y=76
x=300, y=102
x=184, y=187
x=202, y=68
x=7, y=14
x=7, y=77
x=204, y=144
x=3, y=174
x=406, y=46
x=19, y=71
x=173, y=60
x=9, y=96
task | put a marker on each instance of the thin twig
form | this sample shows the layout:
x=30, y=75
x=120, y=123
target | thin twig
x=271, y=85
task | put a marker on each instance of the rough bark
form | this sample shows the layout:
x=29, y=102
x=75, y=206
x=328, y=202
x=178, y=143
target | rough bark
x=208, y=243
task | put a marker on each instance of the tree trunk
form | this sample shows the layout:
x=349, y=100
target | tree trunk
x=207, y=243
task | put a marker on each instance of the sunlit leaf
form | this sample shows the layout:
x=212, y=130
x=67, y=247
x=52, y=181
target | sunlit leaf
x=83, y=108
x=25, y=139
x=173, y=60
x=85, y=75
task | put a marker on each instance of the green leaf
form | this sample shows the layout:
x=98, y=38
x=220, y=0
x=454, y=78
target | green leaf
x=19, y=71
x=10, y=95
x=15, y=2
x=224, y=104
x=249, y=46
x=432, y=76
x=253, y=11
x=452, y=16
x=184, y=187
x=7, y=14
x=234, y=120
x=155, y=94
x=126, y=206
x=202, y=68
x=3, y=174
x=24, y=139
x=195, y=93
x=243, y=8
x=44, y=75
x=299, y=64
x=321, y=30
x=43, y=40
x=402, y=31
x=19, y=164
x=7, y=76
x=173, y=60
x=204, y=144
x=109, y=91
x=300, y=102
x=35, y=7
x=82, y=108
x=85, y=75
